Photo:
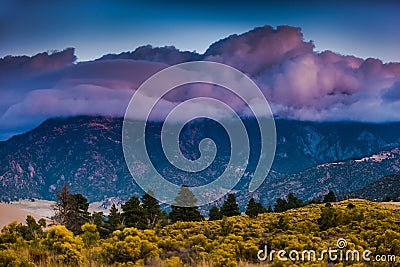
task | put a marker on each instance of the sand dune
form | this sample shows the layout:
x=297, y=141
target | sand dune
x=37, y=206
x=10, y=213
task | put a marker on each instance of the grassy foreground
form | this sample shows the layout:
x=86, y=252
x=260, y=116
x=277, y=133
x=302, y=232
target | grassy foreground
x=233, y=241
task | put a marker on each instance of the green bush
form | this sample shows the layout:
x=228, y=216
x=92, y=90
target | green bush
x=12, y=259
x=233, y=241
x=65, y=245
x=90, y=236
x=129, y=245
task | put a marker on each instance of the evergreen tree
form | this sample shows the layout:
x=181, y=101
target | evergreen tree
x=254, y=208
x=42, y=222
x=114, y=220
x=185, y=197
x=270, y=209
x=214, y=214
x=77, y=214
x=330, y=197
x=164, y=219
x=185, y=208
x=71, y=210
x=280, y=205
x=31, y=231
x=260, y=208
x=97, y=218
x=251, y=208
x=230, y=207
x=152, y=210
x=133, y=213
x=34, y=228
x=293, y=202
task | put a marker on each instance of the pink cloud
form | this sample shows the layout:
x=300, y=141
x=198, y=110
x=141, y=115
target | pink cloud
x=299, y=82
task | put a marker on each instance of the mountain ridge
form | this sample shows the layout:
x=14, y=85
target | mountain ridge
x=85, y=152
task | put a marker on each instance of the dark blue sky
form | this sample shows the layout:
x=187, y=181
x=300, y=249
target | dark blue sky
x=360, y=28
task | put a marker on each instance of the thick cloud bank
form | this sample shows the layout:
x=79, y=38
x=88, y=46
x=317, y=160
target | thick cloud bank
x=299, y=82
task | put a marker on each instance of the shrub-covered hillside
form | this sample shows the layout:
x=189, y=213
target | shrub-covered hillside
x=232, y=241
x=385, y=189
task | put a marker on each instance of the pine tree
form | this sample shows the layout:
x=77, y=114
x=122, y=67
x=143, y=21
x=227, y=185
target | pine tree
x=152, y=210
x=133, y=213
x=97, y=218
x=114, y=219
x=230, y=207
x=185, y=198
x=77, y=214
x=330, y=197
x=71, y=210
x=293, y=202
x=33, y=230
x=254, y=208
x=185, y=208
x=214, y=214
x=280, y=205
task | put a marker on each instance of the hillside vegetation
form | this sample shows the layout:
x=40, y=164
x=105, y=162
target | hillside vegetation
x=232, y=241
x=385, y=189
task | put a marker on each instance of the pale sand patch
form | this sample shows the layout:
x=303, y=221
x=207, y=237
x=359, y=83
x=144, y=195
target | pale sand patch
x=10, y=213
x=38, y=206
x=45, y=207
